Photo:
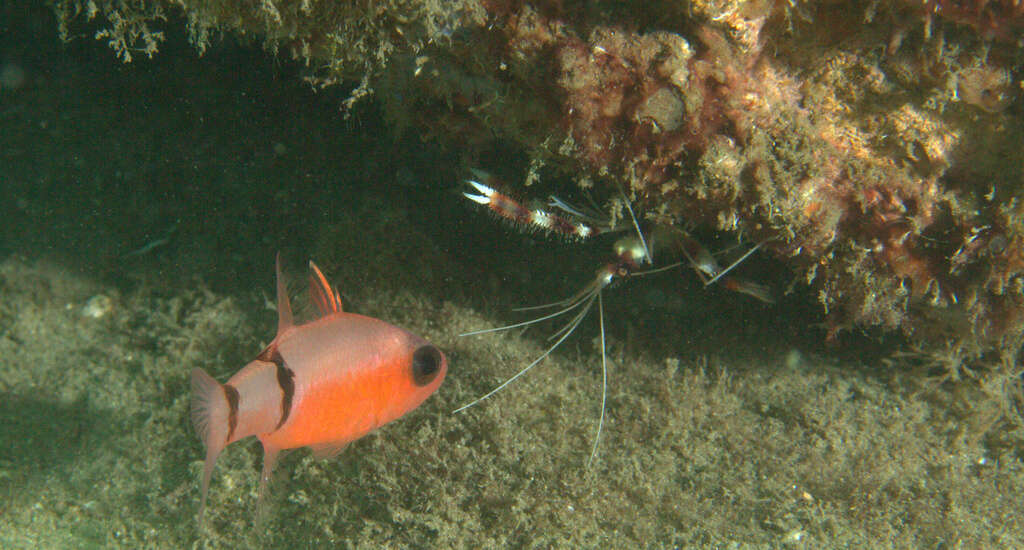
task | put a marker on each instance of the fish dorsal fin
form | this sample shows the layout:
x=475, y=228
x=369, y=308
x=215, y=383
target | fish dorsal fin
x=284, y=306
x=325, y=298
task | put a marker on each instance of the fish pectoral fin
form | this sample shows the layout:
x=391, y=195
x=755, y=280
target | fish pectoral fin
x=329, y=449
x=323, y=296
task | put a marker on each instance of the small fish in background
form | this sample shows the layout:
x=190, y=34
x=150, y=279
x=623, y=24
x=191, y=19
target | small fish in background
x=321, y=385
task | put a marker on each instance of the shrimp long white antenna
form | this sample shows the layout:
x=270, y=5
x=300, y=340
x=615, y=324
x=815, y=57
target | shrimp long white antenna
x=590, y=216
x=584, y=304
x=604, y=380
x=657, y=270
x=647, y=259
x=573, y=302
x=721, y=273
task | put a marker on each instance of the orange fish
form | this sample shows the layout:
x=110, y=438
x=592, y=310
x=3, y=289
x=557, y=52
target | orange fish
x=322, y=385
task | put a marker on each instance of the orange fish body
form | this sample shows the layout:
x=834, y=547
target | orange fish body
x=322, y=385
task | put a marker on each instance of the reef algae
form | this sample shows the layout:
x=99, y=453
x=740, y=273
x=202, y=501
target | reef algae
x=869, y=147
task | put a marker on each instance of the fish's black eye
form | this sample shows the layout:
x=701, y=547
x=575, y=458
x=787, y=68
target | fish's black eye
x=426, y=363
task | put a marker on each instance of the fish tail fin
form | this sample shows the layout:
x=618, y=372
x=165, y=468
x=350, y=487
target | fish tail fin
x=210, y=412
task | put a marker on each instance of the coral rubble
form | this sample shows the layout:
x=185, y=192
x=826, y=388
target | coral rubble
x=874, y=148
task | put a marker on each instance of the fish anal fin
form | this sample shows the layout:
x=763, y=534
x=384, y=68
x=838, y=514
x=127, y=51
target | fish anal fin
x=284, y=306
x=329, y=449
x=270, y=456
x=323, y=296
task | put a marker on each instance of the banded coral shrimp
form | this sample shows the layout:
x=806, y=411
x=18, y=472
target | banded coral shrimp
x=633, y=256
